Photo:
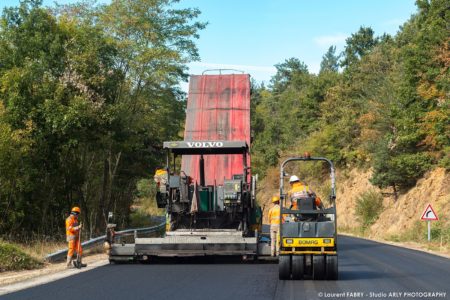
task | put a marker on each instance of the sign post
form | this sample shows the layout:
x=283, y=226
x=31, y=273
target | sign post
x=429, y=215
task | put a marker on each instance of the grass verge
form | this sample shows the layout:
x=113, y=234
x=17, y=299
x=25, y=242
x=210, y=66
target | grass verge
x=440, y=236
x=415, y=237
x=13, y=258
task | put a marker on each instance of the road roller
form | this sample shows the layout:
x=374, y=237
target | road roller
x=308, y=232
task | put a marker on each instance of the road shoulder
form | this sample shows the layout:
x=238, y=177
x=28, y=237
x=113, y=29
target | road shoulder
x=407, y=245
x=18, y=280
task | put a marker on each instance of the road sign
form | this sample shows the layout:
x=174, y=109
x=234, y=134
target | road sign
x=429, y=214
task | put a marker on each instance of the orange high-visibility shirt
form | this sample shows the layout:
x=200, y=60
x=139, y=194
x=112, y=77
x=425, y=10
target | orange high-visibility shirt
x=71, y=222
x=297, y=191
x=318, y=201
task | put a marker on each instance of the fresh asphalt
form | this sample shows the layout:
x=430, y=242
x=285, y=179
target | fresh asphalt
x=367, y=270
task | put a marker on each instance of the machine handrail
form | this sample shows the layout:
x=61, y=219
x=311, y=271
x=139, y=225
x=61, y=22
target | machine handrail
x=221, y=70
x=330, y=210
x=332, y=172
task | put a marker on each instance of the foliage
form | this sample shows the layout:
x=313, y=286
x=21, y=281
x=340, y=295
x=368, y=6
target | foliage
x=146, y=193
x=440, y=233
x=386, y=109
x=368, y=207
x=402, y=170
x=293, y=106
x=87, y=96
x=88, y=93
x=330, y=61
x=12, y=258
x=358, y=45
x=139, y=219
x=439, y=230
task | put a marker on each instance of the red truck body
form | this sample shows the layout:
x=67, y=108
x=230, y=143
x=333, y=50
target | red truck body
x=218, y=109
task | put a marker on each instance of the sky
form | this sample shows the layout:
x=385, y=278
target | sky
x=254, y=35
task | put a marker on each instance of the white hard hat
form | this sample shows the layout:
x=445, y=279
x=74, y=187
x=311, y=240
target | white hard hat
x=294, y=178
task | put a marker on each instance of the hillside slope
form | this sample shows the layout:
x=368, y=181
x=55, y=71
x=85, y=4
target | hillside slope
x=402, y=215
x=399, y=217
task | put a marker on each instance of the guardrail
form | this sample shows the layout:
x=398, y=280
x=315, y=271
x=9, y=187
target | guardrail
x=61, y=254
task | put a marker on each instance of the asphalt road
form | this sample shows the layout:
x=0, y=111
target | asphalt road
x=367, y=270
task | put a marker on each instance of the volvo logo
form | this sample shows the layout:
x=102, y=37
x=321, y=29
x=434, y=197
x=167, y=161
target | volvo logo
x=205, y=144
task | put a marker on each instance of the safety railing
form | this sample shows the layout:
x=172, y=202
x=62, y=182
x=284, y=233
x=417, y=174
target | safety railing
x=61, y=254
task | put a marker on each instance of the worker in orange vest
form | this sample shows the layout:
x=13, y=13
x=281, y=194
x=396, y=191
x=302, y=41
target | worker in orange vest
x=300, y=190
x=274, y=219
x=73, y=228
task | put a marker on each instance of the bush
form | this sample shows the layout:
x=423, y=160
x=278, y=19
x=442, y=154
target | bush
x=438, y=230
x=401, y=170
x=12, y=258
x=418, y=233
x=445, y=160
x=369, y=205
x=146, y=198
x=140, y=218
x=145, y=204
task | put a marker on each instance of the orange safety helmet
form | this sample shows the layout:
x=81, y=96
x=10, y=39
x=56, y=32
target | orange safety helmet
x=275, y=199
x=76, y=209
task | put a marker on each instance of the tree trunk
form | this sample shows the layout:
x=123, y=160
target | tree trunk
x=101, y=212
x=113, y=166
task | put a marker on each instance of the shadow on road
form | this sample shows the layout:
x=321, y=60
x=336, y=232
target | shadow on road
x=205, y=260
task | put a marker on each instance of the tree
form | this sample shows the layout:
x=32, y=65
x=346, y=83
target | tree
x=287, y=72
x=358, y=45
x=417, y=139
x=387, y=111
x=94, y=90
x=330, y=61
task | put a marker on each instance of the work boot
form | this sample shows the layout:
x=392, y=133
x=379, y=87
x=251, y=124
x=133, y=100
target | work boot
x=78, y=264
x=82, y=265
x=69, y=262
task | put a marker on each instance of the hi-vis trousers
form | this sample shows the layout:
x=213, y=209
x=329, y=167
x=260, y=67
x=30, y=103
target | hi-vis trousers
x=274, y=239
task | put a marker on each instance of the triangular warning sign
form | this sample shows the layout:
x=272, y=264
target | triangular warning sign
x=429, y=214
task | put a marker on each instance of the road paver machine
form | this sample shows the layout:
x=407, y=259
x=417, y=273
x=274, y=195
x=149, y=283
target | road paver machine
x=308, y=234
